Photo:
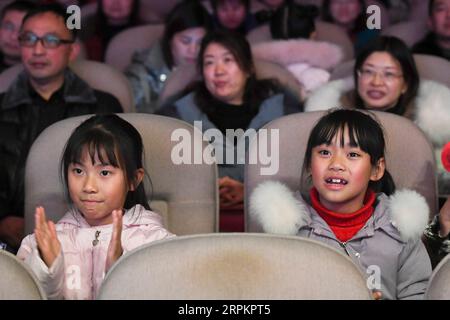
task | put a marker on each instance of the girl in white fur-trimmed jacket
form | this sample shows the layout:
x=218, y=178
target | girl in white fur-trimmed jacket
x=385, y=78
x=347, y=209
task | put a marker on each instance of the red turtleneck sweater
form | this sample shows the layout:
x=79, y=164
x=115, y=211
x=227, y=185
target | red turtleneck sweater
x=344, y=225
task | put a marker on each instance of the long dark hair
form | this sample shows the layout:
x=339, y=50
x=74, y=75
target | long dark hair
x=255, y=92
x=364, y=132
x=185, y=15
x=399, y=52
x=292, y=21
x=114, y=138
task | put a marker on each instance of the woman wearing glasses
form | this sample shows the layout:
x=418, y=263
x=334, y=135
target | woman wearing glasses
x=386, y=79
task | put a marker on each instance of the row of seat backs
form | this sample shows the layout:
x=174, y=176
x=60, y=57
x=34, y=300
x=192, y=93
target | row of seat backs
x=187, y=210
x=239, y=266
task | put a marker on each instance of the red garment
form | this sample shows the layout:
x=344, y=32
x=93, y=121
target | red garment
x=344, y=226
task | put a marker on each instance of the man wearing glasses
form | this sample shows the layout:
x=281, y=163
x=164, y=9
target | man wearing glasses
x=437, y=41
x=44, y=93
x=10, y=22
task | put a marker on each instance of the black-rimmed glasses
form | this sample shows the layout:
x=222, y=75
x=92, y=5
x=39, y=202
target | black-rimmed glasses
x=49, y=41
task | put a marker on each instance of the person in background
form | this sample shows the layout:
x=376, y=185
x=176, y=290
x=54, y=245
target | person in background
x=113, y=16
x=109, y=213
x=294, y=47
x=10, y=22
x=233, y=15
x=46, y=91
x=230, y=97
x=184, y=29
x=351, y=16
x=437, y=41
x=385, y=78
x=353, y=205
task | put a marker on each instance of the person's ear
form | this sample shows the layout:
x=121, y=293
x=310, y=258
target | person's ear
x=378, y=170
x=138, y=177
x=74, y=51
x=313, y=35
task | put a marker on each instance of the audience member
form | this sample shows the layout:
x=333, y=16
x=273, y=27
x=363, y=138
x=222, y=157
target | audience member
x=437, y=41
x=233, y=15
x=10, y=22
x=230, y=97
x=113, y=16
x=350, y=15
x=44, y=93
x=353, y=205
x=185, y=27
x=109, y=214
x=386, y=79
x=293, y=30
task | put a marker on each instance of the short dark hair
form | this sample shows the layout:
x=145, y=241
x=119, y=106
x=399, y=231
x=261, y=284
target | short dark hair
x=54, y=8
x=185, y=15
x=112, y=137
x=216, y=3
x=401, y=53
x=364, y=131
x=292, y=21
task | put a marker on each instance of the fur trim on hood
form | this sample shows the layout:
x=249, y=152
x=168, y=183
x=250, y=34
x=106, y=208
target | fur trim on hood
x=319, y=54
x=432, y=107
x=278, y=211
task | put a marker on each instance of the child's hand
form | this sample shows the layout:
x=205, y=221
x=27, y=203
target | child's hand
x=47, y=241
x=444, y=218
x=231, y=193
x=115, y=249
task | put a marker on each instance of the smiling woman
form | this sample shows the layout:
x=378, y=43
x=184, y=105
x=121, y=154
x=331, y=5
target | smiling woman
x=230, y=97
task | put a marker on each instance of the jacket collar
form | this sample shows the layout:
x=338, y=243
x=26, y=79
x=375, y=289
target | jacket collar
x=75, y=91
x=278, y=210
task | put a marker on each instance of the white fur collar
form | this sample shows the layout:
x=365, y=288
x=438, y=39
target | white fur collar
x=287, y=52
x=432, y=105
x=278, y=211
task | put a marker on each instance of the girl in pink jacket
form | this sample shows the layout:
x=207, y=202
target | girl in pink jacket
x=109, y=216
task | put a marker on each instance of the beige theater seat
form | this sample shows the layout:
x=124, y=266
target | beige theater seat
x=17, y=282
x=409, y=157
x=98, y=75
x=439, y=284
x=410, y=32
x=186, y=195
x=327, y=32
x=121, y=48
x=235, y=266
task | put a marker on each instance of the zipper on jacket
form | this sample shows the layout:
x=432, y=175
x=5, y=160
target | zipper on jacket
x=344, y=245
x=95, y=241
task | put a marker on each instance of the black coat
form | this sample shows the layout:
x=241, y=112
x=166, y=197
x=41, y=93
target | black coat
x=19, y=128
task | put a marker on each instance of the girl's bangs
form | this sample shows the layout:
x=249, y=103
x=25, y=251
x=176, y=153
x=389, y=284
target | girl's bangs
x=99, y=146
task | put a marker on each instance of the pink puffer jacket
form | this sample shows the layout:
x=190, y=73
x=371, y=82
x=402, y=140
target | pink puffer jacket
x=78, y=271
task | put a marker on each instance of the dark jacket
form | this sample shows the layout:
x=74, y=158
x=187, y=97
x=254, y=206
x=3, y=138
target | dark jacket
x=428, y=45
x=19, y=127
